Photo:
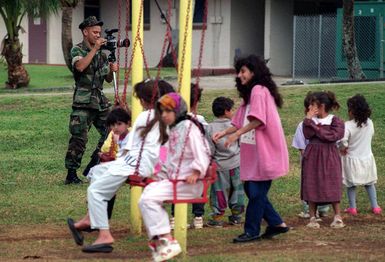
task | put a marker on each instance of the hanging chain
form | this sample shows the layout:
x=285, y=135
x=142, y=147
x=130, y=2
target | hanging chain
x=169, y=37
x=198, y=72
x=196, y=89
x=127, y=73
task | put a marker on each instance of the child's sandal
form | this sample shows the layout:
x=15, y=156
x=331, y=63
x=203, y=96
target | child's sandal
x=313, y=223
x=337, y=222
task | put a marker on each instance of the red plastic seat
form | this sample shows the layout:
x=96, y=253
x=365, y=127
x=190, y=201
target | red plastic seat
x=210, y=178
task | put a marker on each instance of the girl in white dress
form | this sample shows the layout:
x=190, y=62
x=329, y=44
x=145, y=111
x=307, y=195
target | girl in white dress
x=359, y=166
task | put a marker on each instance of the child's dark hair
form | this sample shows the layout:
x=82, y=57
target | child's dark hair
x=164, y=88
x=195, y=95
x=145, y=90
x=118, y=114
x=221, y=104
x=327, y=98
x=359, y=108
x=307, y=101
x=262, y=76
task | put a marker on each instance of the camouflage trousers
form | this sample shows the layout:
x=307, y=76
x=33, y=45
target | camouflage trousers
x=80, y=123
x=227, y=191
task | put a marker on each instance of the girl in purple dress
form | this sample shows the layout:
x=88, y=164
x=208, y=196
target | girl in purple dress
x=321, y=165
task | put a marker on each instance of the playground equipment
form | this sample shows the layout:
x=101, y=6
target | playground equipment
x=183, y=67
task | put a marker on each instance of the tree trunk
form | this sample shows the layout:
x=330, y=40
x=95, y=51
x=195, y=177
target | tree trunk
x=349, y=43
x=17, y=74
x=66, y=35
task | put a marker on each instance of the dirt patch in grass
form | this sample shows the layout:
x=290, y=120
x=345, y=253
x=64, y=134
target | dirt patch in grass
x=362, y=238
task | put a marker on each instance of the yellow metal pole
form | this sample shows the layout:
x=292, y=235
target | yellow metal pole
x=184, y=54
x=137, y=76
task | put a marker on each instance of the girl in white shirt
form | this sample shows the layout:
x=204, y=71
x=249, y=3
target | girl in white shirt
x=142, y=153
x=359, y=166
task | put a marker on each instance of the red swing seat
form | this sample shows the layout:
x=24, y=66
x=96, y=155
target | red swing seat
x=209, y=179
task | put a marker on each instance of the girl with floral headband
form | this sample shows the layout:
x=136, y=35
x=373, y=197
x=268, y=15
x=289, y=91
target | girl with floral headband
x=188, y=158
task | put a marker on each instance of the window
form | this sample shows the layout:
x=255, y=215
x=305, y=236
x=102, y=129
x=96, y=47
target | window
x=198, y=14
x=92, y=8
x=146, y=14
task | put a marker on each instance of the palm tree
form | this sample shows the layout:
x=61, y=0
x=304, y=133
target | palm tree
x=349, y=43
x=13, y=12
x=66, y=33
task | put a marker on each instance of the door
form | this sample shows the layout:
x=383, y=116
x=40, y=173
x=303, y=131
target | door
x=37, y=37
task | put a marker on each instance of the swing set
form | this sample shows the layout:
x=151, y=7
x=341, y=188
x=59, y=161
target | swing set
x=136, y=180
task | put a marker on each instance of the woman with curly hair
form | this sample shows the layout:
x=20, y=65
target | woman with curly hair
x=359, y=166
x=263, y=150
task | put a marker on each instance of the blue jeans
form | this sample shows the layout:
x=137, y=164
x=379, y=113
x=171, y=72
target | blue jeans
x=259, y=207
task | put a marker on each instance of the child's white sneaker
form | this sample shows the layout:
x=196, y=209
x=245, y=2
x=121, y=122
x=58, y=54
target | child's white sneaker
x=198, y=222
x=167, y=249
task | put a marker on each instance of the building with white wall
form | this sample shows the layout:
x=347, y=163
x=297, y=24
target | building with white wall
x=235, y=27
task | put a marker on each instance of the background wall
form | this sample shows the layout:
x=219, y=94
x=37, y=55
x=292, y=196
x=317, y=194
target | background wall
x=247, y=27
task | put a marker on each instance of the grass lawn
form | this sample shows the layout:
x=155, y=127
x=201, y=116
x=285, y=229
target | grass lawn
x=56, y=78
x=34, y=202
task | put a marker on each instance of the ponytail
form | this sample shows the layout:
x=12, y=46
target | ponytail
x=333, y=100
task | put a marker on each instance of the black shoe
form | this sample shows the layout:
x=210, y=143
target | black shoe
x=76, y=234
x=245, y=237
x=273, y=231
x=72, y=178
x=89, y=229
x=98, y=248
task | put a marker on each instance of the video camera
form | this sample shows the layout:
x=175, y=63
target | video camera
x=112, y=43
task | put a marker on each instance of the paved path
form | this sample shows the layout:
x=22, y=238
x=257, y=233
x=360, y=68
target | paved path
x=206, y=82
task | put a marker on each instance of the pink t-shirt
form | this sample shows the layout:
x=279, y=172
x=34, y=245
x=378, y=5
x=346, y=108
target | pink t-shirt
x=264, y=154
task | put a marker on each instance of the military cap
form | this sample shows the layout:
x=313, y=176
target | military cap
x=90, y=21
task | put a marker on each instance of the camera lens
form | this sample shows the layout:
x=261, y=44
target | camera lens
x=123, y=43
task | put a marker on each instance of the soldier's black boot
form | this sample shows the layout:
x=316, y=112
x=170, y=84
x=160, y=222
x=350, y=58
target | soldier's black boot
x=72, y=178
x=93, y=162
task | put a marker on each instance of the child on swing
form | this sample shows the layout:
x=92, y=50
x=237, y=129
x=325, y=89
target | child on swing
x=198, y=209
x=106, y=179
x=188, y=158
x=118, y=121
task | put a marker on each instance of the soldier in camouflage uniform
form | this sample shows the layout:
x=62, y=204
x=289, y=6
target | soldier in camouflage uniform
x=90, y=105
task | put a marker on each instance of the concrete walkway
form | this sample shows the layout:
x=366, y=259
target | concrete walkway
x=206, y=82
x=225, y=81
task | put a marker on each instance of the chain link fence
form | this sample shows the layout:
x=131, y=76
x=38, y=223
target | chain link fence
x=314, y=48
x=318, y=53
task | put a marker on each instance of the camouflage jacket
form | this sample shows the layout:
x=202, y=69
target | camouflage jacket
x=89, y=83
